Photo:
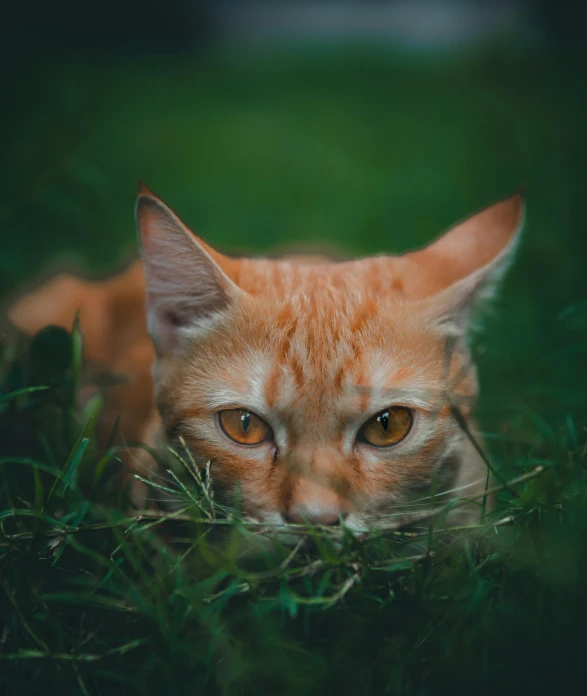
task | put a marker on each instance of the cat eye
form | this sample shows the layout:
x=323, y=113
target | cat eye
x=388, y=427
x=244, y=427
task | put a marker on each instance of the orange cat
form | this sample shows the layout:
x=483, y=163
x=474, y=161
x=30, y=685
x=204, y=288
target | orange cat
x=325, y=390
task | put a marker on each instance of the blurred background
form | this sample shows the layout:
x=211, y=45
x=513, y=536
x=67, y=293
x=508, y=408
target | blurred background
x=361, y=126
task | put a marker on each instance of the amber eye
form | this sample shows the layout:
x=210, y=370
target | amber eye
x=388, y=427
x=244, y=427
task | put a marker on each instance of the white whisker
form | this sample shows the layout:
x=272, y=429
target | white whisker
x=452, y=490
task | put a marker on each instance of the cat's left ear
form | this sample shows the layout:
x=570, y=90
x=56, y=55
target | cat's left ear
x=188, y=283
x=460, y=272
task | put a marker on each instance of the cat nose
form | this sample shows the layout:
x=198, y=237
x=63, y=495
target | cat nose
x=326, y=517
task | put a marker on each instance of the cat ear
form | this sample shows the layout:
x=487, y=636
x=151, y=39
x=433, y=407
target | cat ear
x=187, y=283
x=461, y=271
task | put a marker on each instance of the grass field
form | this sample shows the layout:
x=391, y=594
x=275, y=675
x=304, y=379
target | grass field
x=359, y=151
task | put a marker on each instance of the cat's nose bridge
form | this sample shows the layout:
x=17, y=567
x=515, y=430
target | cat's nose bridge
x=317, y=488
x=317, y=461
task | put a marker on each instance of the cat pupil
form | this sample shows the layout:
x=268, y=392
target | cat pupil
x=245, y=420
x=384, y=420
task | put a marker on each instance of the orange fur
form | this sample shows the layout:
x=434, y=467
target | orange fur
x=312, y=346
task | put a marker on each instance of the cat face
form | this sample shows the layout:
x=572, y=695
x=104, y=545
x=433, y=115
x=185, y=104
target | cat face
x=319, y=390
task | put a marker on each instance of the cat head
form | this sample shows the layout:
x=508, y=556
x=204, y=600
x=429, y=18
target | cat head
x=323, y=390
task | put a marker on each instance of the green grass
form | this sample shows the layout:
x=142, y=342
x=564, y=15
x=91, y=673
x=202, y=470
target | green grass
x=95, y=599
x=360, y=151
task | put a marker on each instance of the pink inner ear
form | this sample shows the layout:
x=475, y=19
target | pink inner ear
x=464, y=249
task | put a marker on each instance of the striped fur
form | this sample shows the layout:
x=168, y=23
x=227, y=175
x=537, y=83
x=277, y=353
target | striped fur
x=314, y=347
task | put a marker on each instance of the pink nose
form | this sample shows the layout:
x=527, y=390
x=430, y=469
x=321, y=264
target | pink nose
x=299, y=515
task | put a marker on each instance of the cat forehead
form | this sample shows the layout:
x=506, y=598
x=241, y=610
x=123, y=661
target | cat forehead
x=323, y=318
x=309, y=277
x=310, y=383
x=314, y=357
x=282, y=353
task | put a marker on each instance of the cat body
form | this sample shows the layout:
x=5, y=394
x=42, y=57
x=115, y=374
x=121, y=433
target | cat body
x=321, y=390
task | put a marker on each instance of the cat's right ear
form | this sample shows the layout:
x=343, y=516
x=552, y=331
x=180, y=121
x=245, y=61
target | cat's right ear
x=459, y=273
x=188, y=287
